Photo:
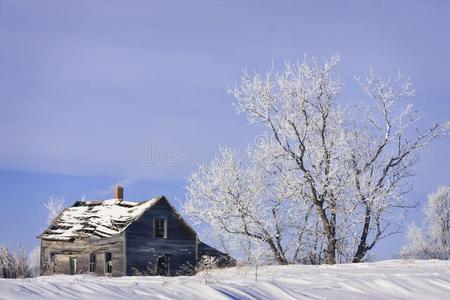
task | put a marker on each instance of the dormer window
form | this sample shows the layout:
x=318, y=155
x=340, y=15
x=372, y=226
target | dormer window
x=160, y=228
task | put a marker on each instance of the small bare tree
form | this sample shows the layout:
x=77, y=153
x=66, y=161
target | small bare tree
x=54, y=207
x=259, y=256
x=204, y=267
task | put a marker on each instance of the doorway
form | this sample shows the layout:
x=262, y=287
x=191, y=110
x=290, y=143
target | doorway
x=108, y=263
x=162, y=266
x=72, y=265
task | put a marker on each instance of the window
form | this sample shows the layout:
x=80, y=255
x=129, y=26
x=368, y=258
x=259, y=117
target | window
x=108, y=262
x=160, y=228
x=92, y=262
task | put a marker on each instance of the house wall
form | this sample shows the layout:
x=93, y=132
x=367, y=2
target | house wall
x=81, y=249
x=143, y=249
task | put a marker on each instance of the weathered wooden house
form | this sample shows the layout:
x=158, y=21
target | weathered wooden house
x=117, y=238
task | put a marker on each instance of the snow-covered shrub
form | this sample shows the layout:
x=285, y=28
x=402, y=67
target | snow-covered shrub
x=186, y=269
x=434, y=243
x=14, y=264
x=148, y=271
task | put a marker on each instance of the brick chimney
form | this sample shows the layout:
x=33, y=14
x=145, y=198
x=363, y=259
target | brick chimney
x=118, y=192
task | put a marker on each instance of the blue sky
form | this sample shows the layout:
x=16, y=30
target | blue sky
x=95, y=93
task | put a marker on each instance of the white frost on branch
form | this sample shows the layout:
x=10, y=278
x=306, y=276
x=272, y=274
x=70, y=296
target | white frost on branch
x=54, y=207
x=336, y=178
x=435, y=242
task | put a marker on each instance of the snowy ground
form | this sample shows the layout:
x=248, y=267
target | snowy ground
x=394, y=279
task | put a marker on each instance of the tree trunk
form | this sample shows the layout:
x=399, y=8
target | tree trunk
x=362, y=247
x=281, y=260
x=359, y=255
x=330, y=231
x=331, y=251
x=279, y=256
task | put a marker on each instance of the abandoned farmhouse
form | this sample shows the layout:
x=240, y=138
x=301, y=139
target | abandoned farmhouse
x=119, y=238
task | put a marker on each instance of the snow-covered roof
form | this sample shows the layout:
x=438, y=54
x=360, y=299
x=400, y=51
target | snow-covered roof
x=100, y=219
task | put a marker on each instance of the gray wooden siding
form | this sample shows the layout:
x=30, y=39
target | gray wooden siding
x=143, y=249
x=81, y=250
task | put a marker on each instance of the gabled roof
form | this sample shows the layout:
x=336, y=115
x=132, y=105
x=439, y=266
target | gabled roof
x=99, y=219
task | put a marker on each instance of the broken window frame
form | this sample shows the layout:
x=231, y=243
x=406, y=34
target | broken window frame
x=160, y=228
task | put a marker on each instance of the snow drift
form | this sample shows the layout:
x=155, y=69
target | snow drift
x=394, y=279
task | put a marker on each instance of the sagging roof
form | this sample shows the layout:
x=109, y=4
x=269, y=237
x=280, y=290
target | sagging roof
x=100, y=219
x=222, y=259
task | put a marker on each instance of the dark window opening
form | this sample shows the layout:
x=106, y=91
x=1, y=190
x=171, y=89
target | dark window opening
x=161, y=228
x=92, y=262
x=108, y=262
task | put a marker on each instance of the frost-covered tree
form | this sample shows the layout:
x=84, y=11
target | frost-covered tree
x=34, y=261
x=6, y=264
x=384, y=145
x=349, y=169
x=437, y=214
x=14, y=264
x=233, y=197
x=19, y=264
x=298, y=107
x=418, y=246
x=435, y=243
x=54, y=207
